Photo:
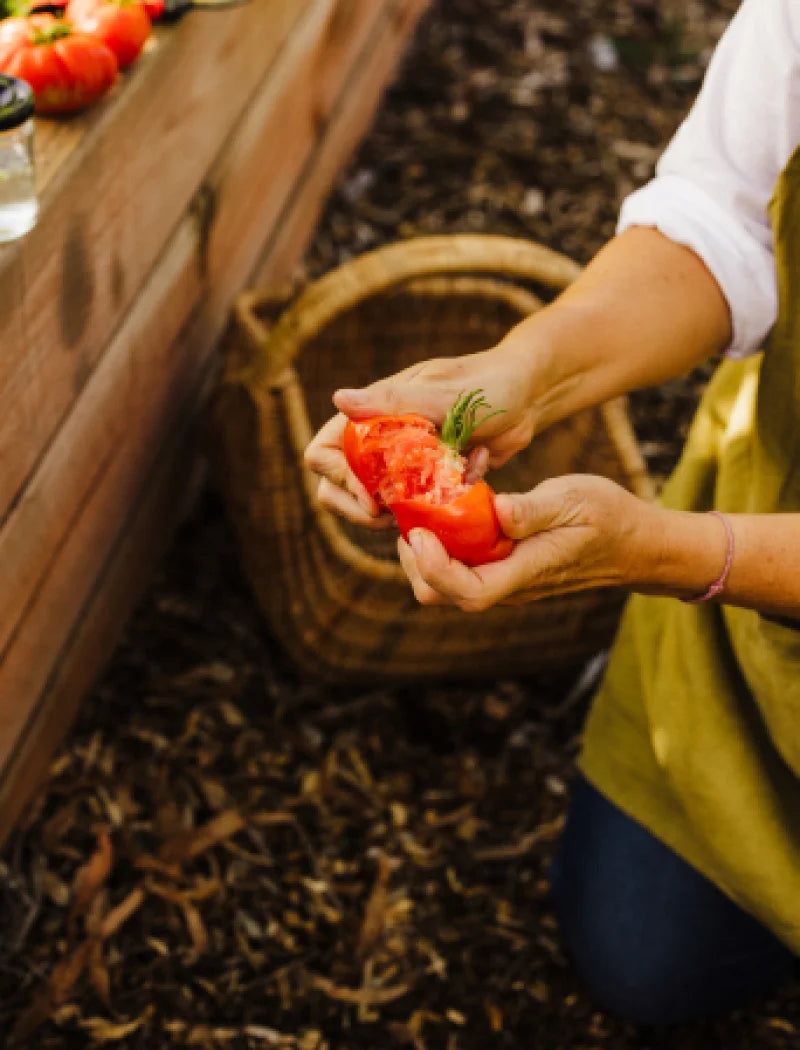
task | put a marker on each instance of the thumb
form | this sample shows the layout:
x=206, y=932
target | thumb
x=393, y=397
x=522, y=514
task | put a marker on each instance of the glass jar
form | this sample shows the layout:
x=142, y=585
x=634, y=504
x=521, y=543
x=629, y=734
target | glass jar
x=18, y=205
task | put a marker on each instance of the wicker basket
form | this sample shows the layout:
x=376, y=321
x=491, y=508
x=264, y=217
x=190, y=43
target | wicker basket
x=333, y=593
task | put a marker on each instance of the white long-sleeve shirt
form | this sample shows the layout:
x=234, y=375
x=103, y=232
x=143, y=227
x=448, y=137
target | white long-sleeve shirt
x=714, y=181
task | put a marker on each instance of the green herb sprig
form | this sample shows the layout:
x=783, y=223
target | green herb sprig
x=462, y=420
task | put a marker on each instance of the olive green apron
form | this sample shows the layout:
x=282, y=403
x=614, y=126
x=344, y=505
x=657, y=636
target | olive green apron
x=695, y=732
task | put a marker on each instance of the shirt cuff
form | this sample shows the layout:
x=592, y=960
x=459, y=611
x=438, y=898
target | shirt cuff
x=743, y=267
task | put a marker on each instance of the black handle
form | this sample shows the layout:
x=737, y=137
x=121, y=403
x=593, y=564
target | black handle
x=45, y=8
x=175, y=9
x=210, y=5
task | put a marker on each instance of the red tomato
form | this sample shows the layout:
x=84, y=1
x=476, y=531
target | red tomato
x=66, y=70
x=404, y=465
x=122, y=25
x=467, y=524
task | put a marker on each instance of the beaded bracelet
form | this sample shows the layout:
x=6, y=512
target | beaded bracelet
x=718, y=584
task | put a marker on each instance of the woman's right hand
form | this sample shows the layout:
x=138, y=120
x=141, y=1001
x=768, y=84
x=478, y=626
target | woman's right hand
x=503, y=374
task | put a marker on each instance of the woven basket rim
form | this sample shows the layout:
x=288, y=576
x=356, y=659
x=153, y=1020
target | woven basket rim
x=376, y=271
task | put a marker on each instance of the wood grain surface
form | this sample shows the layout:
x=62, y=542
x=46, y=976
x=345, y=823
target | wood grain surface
x=156, y=212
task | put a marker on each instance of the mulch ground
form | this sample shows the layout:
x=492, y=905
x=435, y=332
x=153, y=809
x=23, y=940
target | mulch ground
x=227, y=854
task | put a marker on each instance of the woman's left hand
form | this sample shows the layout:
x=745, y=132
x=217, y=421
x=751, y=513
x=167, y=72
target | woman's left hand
x=572, y=532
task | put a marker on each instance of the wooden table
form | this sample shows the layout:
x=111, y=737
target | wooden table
x=203, y=171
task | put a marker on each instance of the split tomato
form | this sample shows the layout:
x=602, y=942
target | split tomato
x=122, y=25
x=66, y=69
x=418, y=474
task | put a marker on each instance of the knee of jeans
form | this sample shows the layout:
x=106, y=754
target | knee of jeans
x=626, y=972
x=623, y=974
x=633, y=992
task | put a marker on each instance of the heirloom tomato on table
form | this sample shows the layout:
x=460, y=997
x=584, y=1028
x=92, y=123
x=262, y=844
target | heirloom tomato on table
x=419, y=475
x=122, y=25
x=66, y=69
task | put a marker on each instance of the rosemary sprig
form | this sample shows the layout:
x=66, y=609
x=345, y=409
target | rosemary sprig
x=462, y=420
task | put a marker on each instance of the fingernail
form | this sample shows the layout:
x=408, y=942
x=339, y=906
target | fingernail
x=354, y=396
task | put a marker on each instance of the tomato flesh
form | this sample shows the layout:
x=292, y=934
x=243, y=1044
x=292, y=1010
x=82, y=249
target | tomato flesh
x=388, y=454
x=405, y=467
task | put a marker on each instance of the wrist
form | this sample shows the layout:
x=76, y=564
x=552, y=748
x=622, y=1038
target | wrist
x=688, y=552
x=542, y=367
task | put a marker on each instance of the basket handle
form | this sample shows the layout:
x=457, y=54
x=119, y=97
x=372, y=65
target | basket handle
x=390, y=265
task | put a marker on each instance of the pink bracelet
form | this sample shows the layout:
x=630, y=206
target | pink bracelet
x=718, y=584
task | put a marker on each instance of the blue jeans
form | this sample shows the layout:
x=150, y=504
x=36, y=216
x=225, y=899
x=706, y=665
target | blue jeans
x=653, y=940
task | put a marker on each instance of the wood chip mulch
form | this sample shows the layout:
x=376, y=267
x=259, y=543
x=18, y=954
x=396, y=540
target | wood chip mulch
x=229, y=855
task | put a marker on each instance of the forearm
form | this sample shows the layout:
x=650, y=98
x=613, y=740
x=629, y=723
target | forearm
x=643, y=311
x=688, y=550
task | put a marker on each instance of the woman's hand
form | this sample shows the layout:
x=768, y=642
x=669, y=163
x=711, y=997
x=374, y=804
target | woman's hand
x=579, y=351
x=572, y=533
x=339, y=489
x=430, y=388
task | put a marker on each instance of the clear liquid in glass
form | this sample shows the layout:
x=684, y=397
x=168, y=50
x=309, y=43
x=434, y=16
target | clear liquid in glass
x=18, y=204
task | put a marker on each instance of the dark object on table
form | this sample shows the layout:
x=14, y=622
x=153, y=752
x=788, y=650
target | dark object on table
x=170, y=10
x=175, y=9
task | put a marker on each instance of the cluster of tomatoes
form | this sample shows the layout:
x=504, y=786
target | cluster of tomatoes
x=72, y=59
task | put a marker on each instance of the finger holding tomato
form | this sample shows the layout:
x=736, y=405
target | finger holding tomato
x=572, y=533
x=340, y=491
x=122, y=25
